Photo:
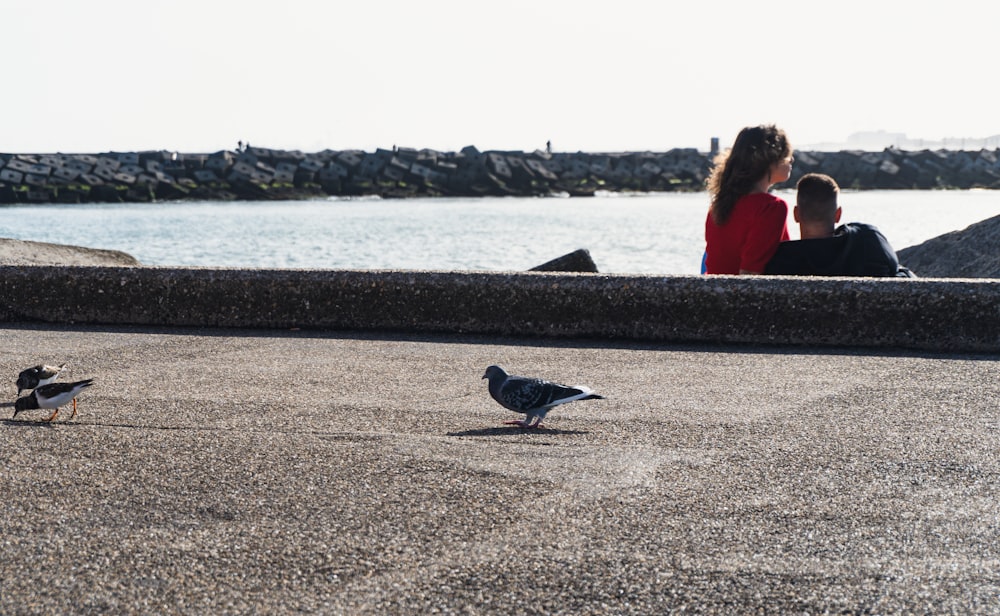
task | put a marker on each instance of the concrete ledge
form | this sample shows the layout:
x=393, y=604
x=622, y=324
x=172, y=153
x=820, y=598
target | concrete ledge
x=939, y=315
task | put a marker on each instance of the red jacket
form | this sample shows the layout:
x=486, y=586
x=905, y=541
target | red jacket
x=748, y=240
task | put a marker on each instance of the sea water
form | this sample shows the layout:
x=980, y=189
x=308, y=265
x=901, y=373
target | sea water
x=642, y=233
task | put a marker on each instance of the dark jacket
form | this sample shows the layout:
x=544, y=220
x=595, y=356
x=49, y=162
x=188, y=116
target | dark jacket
x=856, y=249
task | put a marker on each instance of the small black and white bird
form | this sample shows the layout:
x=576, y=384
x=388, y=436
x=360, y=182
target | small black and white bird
x=32, y=377
x=52, y=396
x=533, y=397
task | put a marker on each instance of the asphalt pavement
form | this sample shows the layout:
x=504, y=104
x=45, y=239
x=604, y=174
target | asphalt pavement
x=214, y=471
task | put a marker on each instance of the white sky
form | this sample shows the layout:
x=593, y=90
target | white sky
x=606, y=75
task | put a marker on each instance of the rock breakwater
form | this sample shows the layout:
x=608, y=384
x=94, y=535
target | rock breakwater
x=254, y=173
x=969, y=253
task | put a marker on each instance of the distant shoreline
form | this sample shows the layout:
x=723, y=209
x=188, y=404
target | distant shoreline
x=256, y=174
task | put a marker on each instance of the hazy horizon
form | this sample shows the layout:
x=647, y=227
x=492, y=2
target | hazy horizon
x=187, y=76
x=874, y=141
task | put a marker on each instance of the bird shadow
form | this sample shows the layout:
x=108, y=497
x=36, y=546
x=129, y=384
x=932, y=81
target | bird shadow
x=506, y=430
x=29, y=423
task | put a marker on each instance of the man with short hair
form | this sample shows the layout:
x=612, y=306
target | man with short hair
x=853, y=249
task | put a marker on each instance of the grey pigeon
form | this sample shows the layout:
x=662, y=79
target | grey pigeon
x=533, y=397
x=32, y=377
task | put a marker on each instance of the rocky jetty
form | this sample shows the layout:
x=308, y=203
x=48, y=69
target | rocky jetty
x=898, y=169
x=254, y=173
x=262, y=174
x=970, y=253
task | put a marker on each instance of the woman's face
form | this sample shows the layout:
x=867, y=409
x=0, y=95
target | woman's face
x=782, y=170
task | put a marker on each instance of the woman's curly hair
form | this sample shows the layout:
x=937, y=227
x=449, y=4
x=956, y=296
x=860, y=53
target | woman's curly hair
x=739, y=169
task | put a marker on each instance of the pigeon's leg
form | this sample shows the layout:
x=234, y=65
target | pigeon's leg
x=74, y=409
x=53, y=415
x=529, y=422
x=536, y=424
x=536, y=419
x=524, y=423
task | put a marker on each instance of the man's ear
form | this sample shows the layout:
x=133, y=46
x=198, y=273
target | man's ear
x=795, y=213
x=836, y=217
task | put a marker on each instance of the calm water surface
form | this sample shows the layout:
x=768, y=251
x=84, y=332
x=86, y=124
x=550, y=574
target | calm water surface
x=654, y=234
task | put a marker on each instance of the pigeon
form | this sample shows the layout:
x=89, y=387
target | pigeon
x=42, y=374
x=52, y=396
x=533, y=397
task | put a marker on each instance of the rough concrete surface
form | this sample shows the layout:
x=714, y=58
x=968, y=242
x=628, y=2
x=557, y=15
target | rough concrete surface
x=222, y=471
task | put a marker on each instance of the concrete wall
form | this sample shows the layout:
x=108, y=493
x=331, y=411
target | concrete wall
x=938, y=315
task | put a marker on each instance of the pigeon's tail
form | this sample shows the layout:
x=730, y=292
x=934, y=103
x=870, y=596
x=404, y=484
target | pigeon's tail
x=579, y=393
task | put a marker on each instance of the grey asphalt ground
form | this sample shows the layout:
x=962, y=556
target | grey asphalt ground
x=222, y=471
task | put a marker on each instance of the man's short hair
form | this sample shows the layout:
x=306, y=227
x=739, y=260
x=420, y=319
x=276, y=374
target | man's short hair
x=817, y=197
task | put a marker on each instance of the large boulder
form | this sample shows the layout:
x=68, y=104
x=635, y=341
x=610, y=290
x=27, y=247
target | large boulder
x=576, y=261
x=973, y=252
x=20, y=252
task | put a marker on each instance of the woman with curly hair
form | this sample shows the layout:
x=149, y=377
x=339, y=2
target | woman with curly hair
x=745, y=222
